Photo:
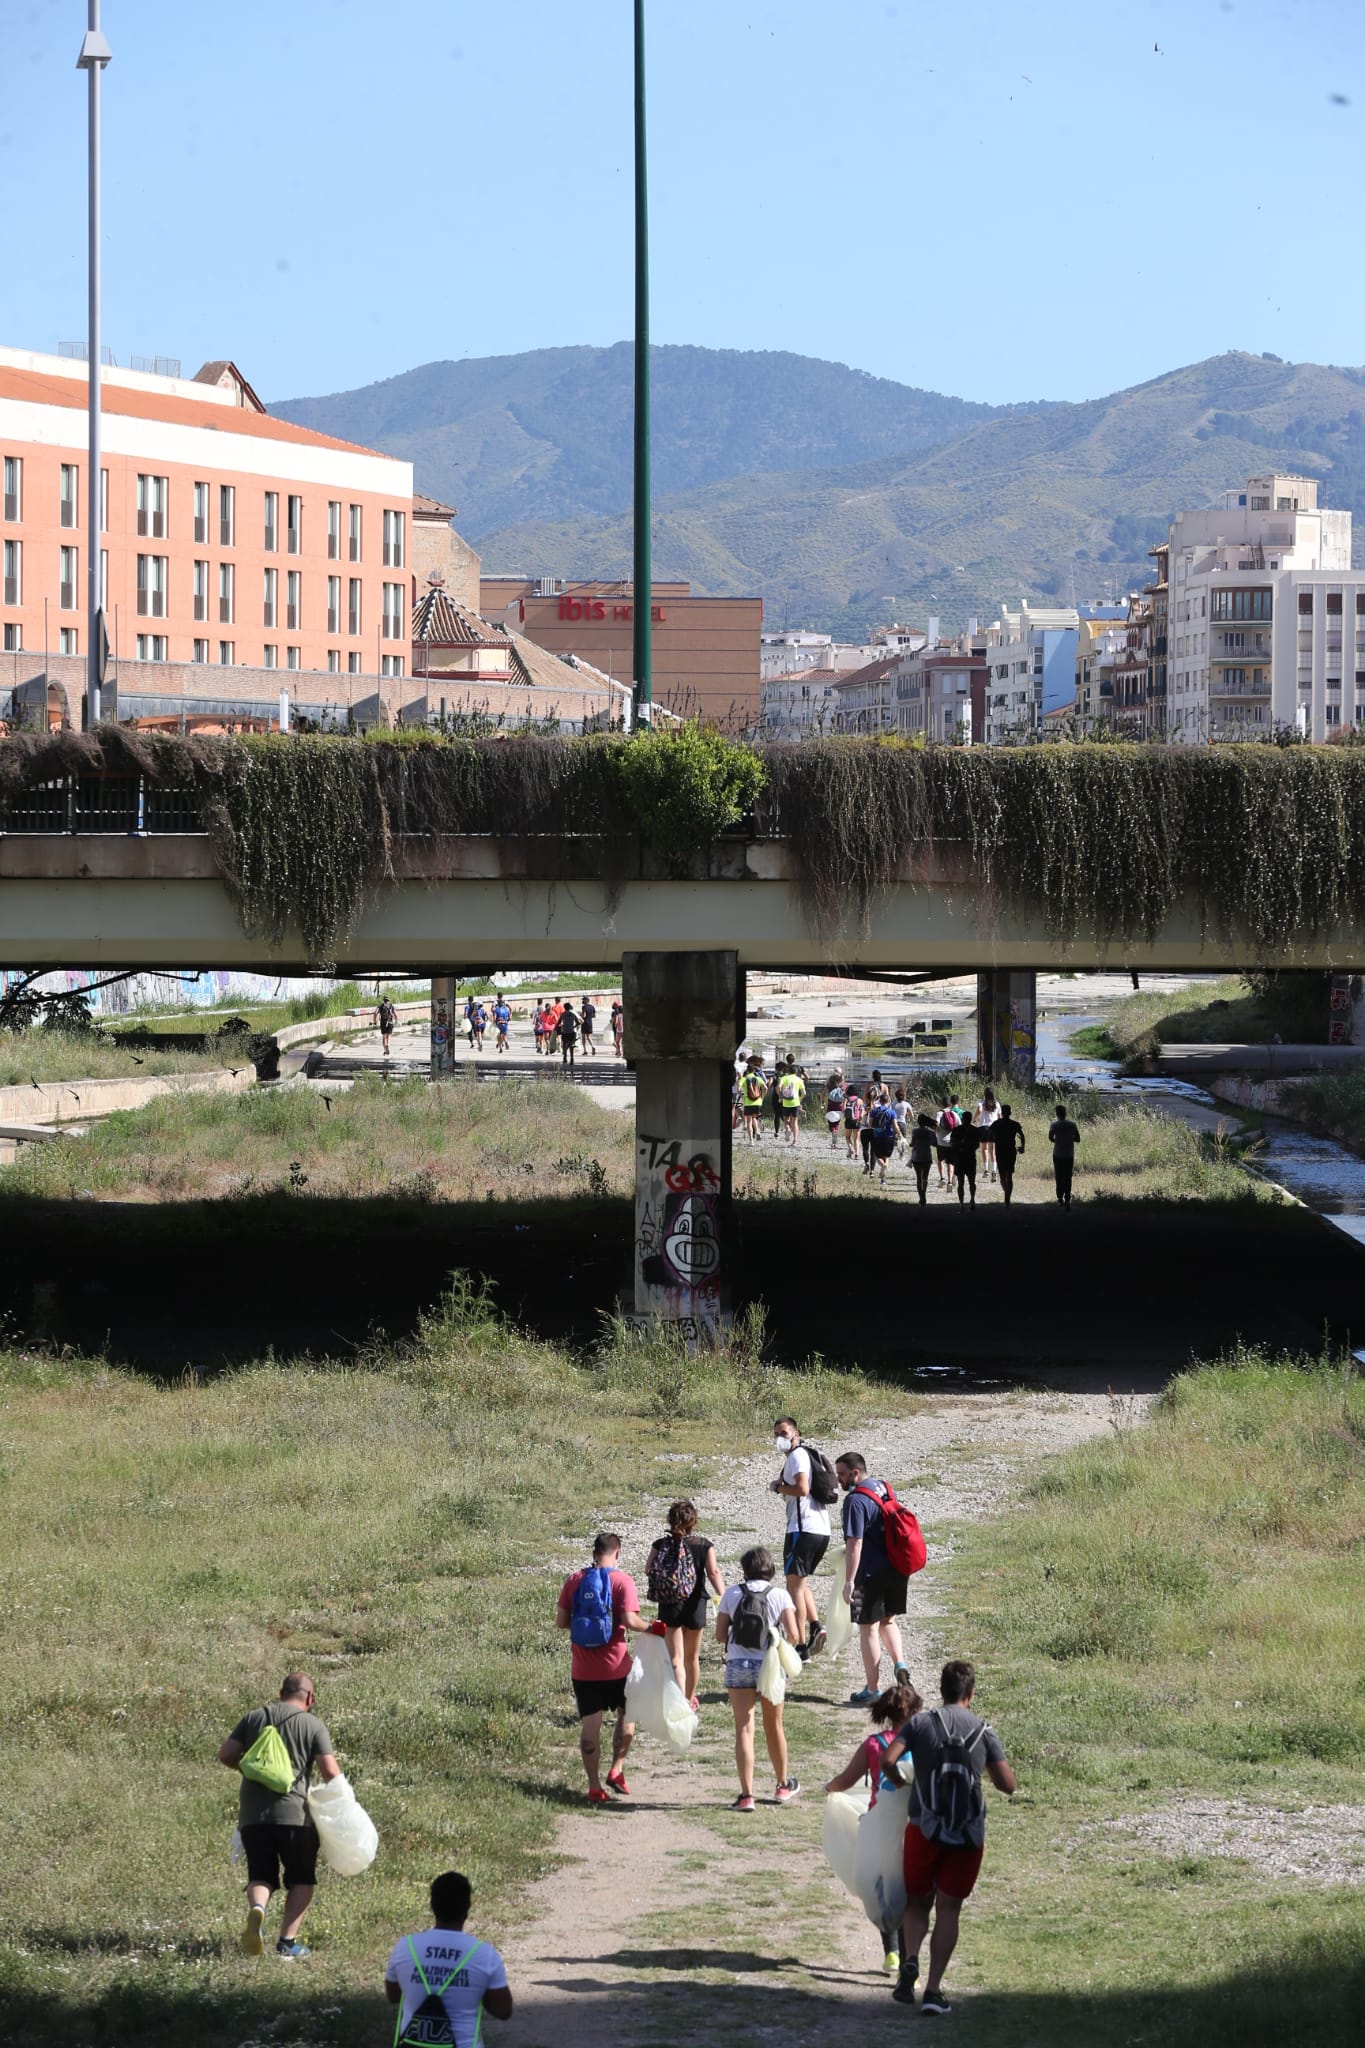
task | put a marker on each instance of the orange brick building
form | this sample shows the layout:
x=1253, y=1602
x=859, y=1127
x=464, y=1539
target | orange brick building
x=230, y=538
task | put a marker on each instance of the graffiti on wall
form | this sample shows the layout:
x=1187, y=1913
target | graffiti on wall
x=679, y=1242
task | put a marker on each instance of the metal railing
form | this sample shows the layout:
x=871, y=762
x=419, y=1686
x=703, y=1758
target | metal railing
x=120, y=805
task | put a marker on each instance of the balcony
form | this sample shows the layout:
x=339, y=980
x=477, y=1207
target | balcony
x=1259, y=690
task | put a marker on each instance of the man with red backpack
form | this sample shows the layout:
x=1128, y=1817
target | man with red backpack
x=599, y=1606
x=882, y=1547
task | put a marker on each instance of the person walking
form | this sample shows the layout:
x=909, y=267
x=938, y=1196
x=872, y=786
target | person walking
x=882, y=1131
x=791, y=1095
x=947, y=1122
x=752, y=1089
x=278, y=1838
x=775, y=1094
x=618, y=1019
x=587, y=1018
x=807, y=1484
x=874, y=1589
x=480, y=1021
x=599, y=1606
x=922, y=1152
x=888, y=1714
x=502, y=1017
x=385, y=1017
x=900, y=1109
x=1009, y=1146
x=568, y=1036
x=834, y=1107
x=681, y=1566
x=1064, y=1137
x=442, y=1980
x=538, y=1030
x=552, y=1020
x=945, y=1837
x=469, y=1008
x=853, y=1119
x=987, y=1116
x=748, y=1614
x=962, y=1151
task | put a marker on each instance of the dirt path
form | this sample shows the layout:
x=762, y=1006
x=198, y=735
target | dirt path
x=673, y=1920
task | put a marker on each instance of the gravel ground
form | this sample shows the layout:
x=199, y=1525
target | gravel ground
x=1315, y=1845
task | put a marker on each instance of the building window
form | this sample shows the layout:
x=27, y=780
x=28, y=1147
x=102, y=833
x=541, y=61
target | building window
x=201, y=514
x=393, y=611
x=293, y=601
x=227, y=515
x=14, y=572
x=291, y=657
x=70, y=494
x=354, y=625
x=151, y=586
x=271, y=657
x=201, y=650
x=1305, y=604
x=151, y=647
x=355, y=533
x=153, y=495
x=226, y=593
x=201, y=590
x=334, y=530
x=225, y=654
x=393, y=540
x=68, y=574
x=391, y=665
x=294, y=518
x=14, y=488
x=68, y=640
x=352, y=660
x=269, y=596
x=272, y=521
x=333, y=604
x=104, y=579
x=1241, y=604
x=14, y=639
x=333, y=661
x=1334, y=604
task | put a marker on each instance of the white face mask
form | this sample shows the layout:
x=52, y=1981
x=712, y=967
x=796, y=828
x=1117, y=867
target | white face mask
x=784, y=1443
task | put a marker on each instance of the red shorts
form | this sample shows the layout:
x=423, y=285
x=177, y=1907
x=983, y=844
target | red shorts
x=933, y=1866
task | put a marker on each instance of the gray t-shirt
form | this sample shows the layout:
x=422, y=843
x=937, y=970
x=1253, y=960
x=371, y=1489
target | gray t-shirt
x=924, y=1741
x=1064, y=1137
x=306, y=1739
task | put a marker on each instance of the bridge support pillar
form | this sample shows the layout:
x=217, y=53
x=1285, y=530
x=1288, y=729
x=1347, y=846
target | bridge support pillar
x=682, y=1025
x=1006, y=1024
x=443, y=988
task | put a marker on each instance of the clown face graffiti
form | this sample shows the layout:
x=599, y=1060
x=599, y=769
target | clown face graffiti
x=691, y=1241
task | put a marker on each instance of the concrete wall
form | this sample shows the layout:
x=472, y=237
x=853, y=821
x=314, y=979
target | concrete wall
x=53, y=1101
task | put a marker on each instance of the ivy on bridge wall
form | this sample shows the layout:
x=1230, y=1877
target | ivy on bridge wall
x=1269, y=841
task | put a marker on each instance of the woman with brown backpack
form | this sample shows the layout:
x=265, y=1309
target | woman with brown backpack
x=681, y=1566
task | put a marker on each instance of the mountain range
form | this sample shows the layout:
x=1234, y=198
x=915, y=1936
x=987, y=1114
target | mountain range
x=843, y=499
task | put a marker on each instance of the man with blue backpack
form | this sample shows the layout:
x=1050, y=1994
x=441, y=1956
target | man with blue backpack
x=599, y=1606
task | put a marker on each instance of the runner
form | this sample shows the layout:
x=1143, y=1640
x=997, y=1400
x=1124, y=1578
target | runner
x=480, y=1025
x=791, y=1095
x=538, y=1027
x=875, y=1591
x=587, y=1018
x=853, y=1117
x=279, y=1839
x=617, y=1025
x=469, y=1019
x=962, y=1150
x=835, y=1096
x=882, y=1132
x=922, y=1152
x=987, y=1116
x=1064, y=1137
x=900, y=1109
x=947, y=1123
x=599, y=1606
x=442, y=1980
x=385, y=1017
x=752, y=1089
x=502, y=1017
x=807, y=1488
x=568, y=1035
x=888, y=1713
x=1009, y=1144
x=946, y=1834
x=681, y=1566
x=745, y=1620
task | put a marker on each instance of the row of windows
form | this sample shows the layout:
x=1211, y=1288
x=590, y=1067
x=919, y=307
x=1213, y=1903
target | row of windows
x=154, y=514
x=156, y=647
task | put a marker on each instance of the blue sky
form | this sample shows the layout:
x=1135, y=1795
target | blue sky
x=998, y=201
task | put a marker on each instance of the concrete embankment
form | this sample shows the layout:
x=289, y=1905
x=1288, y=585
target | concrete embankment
x=42, y=1108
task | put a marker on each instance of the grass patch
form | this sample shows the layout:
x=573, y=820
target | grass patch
x=1230, y=1010
x=1331, y=1104
x=1174, y=1611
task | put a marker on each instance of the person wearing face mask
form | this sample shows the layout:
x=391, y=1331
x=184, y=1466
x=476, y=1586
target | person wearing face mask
x=807, y=1484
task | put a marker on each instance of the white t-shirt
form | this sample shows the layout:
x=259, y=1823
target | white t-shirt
x=440, y=1951
x=986, y=1117
x=805, y=1516
x=779, y=1602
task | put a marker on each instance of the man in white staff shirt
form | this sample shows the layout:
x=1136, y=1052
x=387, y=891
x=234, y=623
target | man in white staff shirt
x=444, y=1980
x=808, y=1533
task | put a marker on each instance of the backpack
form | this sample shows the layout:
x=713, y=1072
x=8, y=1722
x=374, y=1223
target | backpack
x=388, y=1016
x=955, y=1797
x=268, y=1762
x=430, y=2026
x=592, y=1623
x=671, y=1572
x=855, y=1109
x=824, y=1480
x=905, y=1547
x=835, y=1098
x=749, y=1625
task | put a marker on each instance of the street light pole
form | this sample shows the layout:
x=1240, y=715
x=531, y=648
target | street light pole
x=95, y=54
x=643, y=590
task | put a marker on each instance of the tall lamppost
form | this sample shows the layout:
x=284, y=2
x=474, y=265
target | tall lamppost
x=95, y=54
x=642, y=655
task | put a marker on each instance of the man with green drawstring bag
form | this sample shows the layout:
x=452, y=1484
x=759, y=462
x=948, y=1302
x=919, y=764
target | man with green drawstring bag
x=275, y=1748
x=444, y=1980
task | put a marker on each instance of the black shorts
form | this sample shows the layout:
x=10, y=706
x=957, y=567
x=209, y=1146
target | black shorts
x=599, y=1695
x=802, y=1556
x=272, y=1847
x=880, y=1596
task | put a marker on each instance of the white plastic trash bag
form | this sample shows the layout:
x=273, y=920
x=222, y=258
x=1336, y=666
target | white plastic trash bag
x=348, y=1837
x=843, y=1812
x=879, y=1859
x=792, y=1666
x=654, y=1699
x=840, y=1627
x=772, y=1679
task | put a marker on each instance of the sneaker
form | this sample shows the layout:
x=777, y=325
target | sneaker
x=817, y=1642
x=903, y=1990
x=251, y=1943
x=599, y=1797
x=789, y=1789
x=901, y=1674
x=863, y=1697
x=935, y=2002
x=744, y=1803
x=891, y=1962
x=616, y=1783
x=292, y=1951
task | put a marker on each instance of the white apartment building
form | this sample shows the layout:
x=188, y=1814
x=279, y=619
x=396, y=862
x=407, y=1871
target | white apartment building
x=1267, y=616
x=795, y=706
x=1031, y=668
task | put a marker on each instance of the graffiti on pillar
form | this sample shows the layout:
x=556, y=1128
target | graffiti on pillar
x=678, y=1237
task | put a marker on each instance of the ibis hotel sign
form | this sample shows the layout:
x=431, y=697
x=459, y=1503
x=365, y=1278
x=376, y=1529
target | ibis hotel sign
x=592, y=610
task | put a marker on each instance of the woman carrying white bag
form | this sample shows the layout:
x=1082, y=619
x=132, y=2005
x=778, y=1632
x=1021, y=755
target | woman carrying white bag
x=750, y=1616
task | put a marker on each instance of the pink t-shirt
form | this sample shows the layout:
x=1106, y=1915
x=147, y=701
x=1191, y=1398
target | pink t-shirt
x=613, y=1659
